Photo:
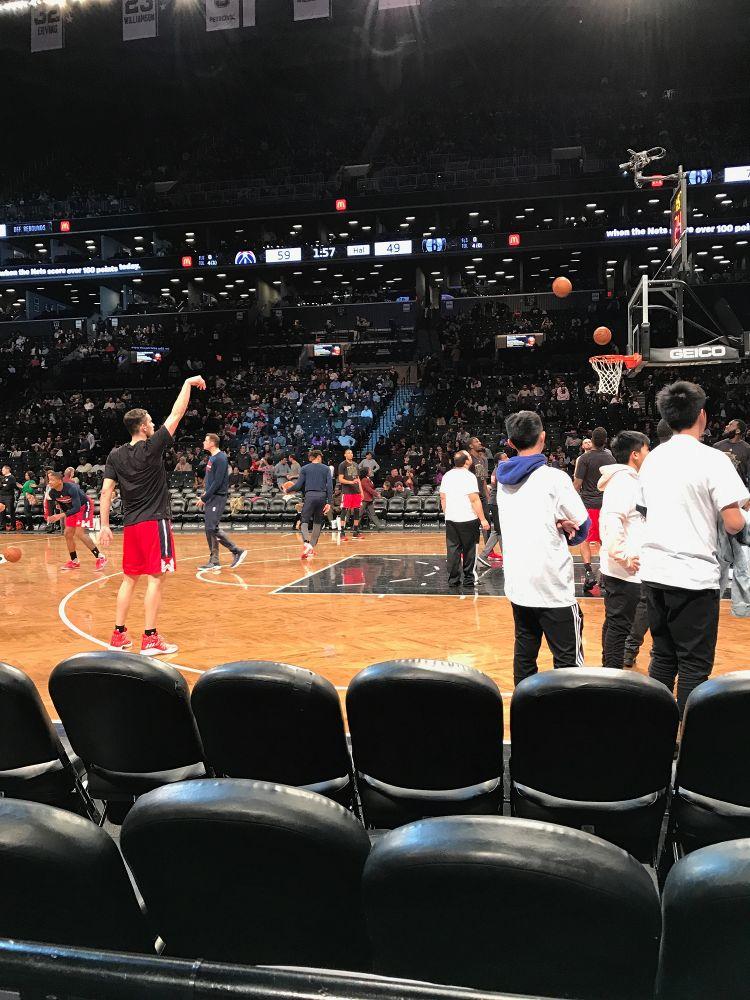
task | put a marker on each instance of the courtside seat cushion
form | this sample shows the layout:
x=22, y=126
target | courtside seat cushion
x=512, y=905
x=706, y=910
x=63, y=881
x=701, y=820
x=586, y=717
x=426, y=724
x=250, y=871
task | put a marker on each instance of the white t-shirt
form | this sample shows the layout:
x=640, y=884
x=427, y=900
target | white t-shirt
x=536, y=558
x=619, y=518
x=457, y=484
x=684, y=486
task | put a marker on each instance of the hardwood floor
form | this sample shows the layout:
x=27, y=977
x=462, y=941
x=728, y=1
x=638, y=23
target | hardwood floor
x=345, y=619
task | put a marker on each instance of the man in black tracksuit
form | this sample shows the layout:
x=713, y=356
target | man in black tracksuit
x=316, y=480
x=214, y=499
x=8, y=487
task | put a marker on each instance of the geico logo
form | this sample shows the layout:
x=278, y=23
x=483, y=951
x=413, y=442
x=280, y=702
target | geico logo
x=691, y=353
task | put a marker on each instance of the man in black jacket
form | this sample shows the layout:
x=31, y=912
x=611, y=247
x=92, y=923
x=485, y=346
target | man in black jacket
x=214, y=500
x=316, y=481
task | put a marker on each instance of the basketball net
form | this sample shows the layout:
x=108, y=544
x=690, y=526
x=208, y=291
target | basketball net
x=609, y=369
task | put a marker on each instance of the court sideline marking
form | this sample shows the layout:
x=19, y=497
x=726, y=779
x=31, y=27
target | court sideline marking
x=63, y=614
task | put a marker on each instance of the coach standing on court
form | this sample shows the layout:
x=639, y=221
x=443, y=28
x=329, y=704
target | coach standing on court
x=214, y=502
x=687, y=489
x=540, y=516
x=462, y=507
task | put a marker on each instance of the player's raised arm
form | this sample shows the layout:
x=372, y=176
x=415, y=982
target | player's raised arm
x=181, y=403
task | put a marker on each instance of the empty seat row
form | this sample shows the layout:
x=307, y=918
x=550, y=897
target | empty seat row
x=591, y=748
x=257, y=873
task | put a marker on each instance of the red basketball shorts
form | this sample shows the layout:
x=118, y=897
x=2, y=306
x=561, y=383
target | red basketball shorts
x=84, y=518
x=148, y=549
x=593, y=535
x=351, y=501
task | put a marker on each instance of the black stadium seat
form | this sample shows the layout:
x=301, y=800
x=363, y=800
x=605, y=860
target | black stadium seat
x=706, y=912
x=249, y=872
x=395, y=512
x=33, y=761
x=514, y=906
x=711, y=799
x=63, y=881
x=593, y=748
x=274, y=722
x=427, y=740
x=130, y=721
x=413, y=512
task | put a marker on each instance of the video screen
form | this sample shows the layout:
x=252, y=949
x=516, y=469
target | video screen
x=521, y=340
x=148, y=355
x=327, y=350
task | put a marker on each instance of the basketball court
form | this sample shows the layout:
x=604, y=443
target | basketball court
x=384, y=596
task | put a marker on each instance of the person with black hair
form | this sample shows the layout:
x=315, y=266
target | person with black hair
x=621, y=529
x=462, y=508
x=541, y=515
x=585, y=480
x=639, y=626
x=316, y=482
x=214, y=500
x=734, y=445
x=687, y=490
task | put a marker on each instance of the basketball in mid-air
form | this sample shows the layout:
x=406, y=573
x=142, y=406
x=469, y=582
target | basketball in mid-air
x=602, y=335
x=12, y=553
x=562, y=287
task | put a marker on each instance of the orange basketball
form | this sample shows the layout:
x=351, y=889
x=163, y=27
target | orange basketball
x=12, y=553
x=562, y=287
x=602, y=335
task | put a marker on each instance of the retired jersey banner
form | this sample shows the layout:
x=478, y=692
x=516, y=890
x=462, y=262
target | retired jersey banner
x=139, y=19
x=46, y=28
x=307, y=10
x=248, y=13
x=222, y=15
x=390, y=4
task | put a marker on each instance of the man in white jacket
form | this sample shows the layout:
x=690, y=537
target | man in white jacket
x=621, y=529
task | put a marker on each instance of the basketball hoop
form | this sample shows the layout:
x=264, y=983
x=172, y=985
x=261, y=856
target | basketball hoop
x=609, y=369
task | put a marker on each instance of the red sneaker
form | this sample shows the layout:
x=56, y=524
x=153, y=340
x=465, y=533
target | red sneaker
x=120, y=640
x=71, y=564
x=101, y=562
x=156, y=645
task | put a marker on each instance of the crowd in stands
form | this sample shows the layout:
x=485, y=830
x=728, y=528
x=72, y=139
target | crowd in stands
x=263, y=416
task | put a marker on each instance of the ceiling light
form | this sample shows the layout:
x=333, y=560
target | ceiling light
x=720, y=196
x=137, y=237
x=473, y=215
x=366, y=229
x=591, y=204
x=297, y=226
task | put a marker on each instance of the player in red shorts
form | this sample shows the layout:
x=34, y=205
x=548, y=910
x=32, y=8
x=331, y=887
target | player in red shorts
x=351, y=493
x=66, y=501
x=148, y=546
x=585, y=480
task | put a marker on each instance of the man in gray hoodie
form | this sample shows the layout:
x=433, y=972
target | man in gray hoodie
x=621, y=530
